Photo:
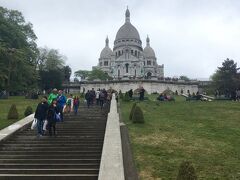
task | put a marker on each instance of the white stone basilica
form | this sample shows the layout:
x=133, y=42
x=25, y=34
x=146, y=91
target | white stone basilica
x=129, y=60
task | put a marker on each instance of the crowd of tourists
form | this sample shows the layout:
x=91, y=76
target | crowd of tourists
x=50, y=111
x=99, y=97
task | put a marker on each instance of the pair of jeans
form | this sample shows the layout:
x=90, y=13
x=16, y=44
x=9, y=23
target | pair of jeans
x=40, y=126
x=88, y=102
x=75, y=109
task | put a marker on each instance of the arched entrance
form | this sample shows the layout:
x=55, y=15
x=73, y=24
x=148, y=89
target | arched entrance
x=149, y=75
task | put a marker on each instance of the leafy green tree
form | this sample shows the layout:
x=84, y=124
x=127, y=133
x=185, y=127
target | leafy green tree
x=226, y=78
x=18, y=52
x=83, y=74
x=92, y=75
x=51, y=68
x=67, y=73
x=185, y=78
x=98, y=74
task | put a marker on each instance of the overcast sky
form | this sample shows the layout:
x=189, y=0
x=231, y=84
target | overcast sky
x=190, y=37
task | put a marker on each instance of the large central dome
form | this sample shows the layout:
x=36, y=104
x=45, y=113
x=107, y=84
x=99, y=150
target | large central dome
x=127, y=34
x=127, y=31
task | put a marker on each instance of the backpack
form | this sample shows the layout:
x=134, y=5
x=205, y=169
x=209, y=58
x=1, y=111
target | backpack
x=69, y=101
x=75, y=102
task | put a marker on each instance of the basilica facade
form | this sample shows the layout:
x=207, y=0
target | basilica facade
x=128, y=60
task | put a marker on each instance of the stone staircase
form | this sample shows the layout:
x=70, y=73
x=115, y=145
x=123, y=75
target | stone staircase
x=75, y=153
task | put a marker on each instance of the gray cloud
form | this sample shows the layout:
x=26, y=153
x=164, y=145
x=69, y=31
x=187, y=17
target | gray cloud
x=189, y=37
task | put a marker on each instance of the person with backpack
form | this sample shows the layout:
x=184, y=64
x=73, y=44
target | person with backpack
x=88, y=98
x=41, y=114
x=61, y=101
x=76, y=103
x=69, y=104
x=52, y=115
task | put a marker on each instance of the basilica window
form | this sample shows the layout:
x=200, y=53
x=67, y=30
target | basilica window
x=119, y=53
x=149, y=63
x=100, y=63
x=132, y=52
x=105, y=63
x=118, y=72
x=126, y=67
x=144, y=63
x=135, y=53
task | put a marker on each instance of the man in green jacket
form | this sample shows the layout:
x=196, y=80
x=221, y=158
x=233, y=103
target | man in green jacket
x=52, y=96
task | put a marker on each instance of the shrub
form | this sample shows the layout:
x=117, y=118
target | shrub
x=132, y=110
x=138, y=115
x=126, y=97
x=28, y=111
x=186, y=171
x=13, y=113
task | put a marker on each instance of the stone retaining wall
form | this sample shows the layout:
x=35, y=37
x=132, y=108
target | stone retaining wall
x=111, y=166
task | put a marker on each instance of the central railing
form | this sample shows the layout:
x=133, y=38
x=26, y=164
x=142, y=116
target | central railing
x=111, y=167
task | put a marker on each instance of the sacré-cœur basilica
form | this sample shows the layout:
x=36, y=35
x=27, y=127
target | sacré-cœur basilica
x=128, y=60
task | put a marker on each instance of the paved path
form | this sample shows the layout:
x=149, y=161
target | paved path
x=74, y=154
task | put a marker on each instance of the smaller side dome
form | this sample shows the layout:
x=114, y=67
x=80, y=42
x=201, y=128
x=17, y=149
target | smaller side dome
x=106, y=52
x=148, y=51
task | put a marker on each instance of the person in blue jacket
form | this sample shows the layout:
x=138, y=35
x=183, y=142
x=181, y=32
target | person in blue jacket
x=61, y=101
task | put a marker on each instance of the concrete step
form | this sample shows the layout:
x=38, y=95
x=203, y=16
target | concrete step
x=49, y=176
x=75, y=153
x=41, y=161
x=52, y=156
x=49, y=171
x=48, y=166
x=57, y=152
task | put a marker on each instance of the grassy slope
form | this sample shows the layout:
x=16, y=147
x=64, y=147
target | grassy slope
x=21, y=104
x=205, y=133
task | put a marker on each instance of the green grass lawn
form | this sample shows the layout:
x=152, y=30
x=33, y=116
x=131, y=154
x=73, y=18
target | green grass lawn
x=21, y=104
x=205, y=133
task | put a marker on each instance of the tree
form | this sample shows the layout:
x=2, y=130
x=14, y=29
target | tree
x=226, y=79
x=92, y=75
x=18, y=51
x=83, y=74
x=51, y=67
x=67, y=73
x=185, y=78
x=98, y=74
